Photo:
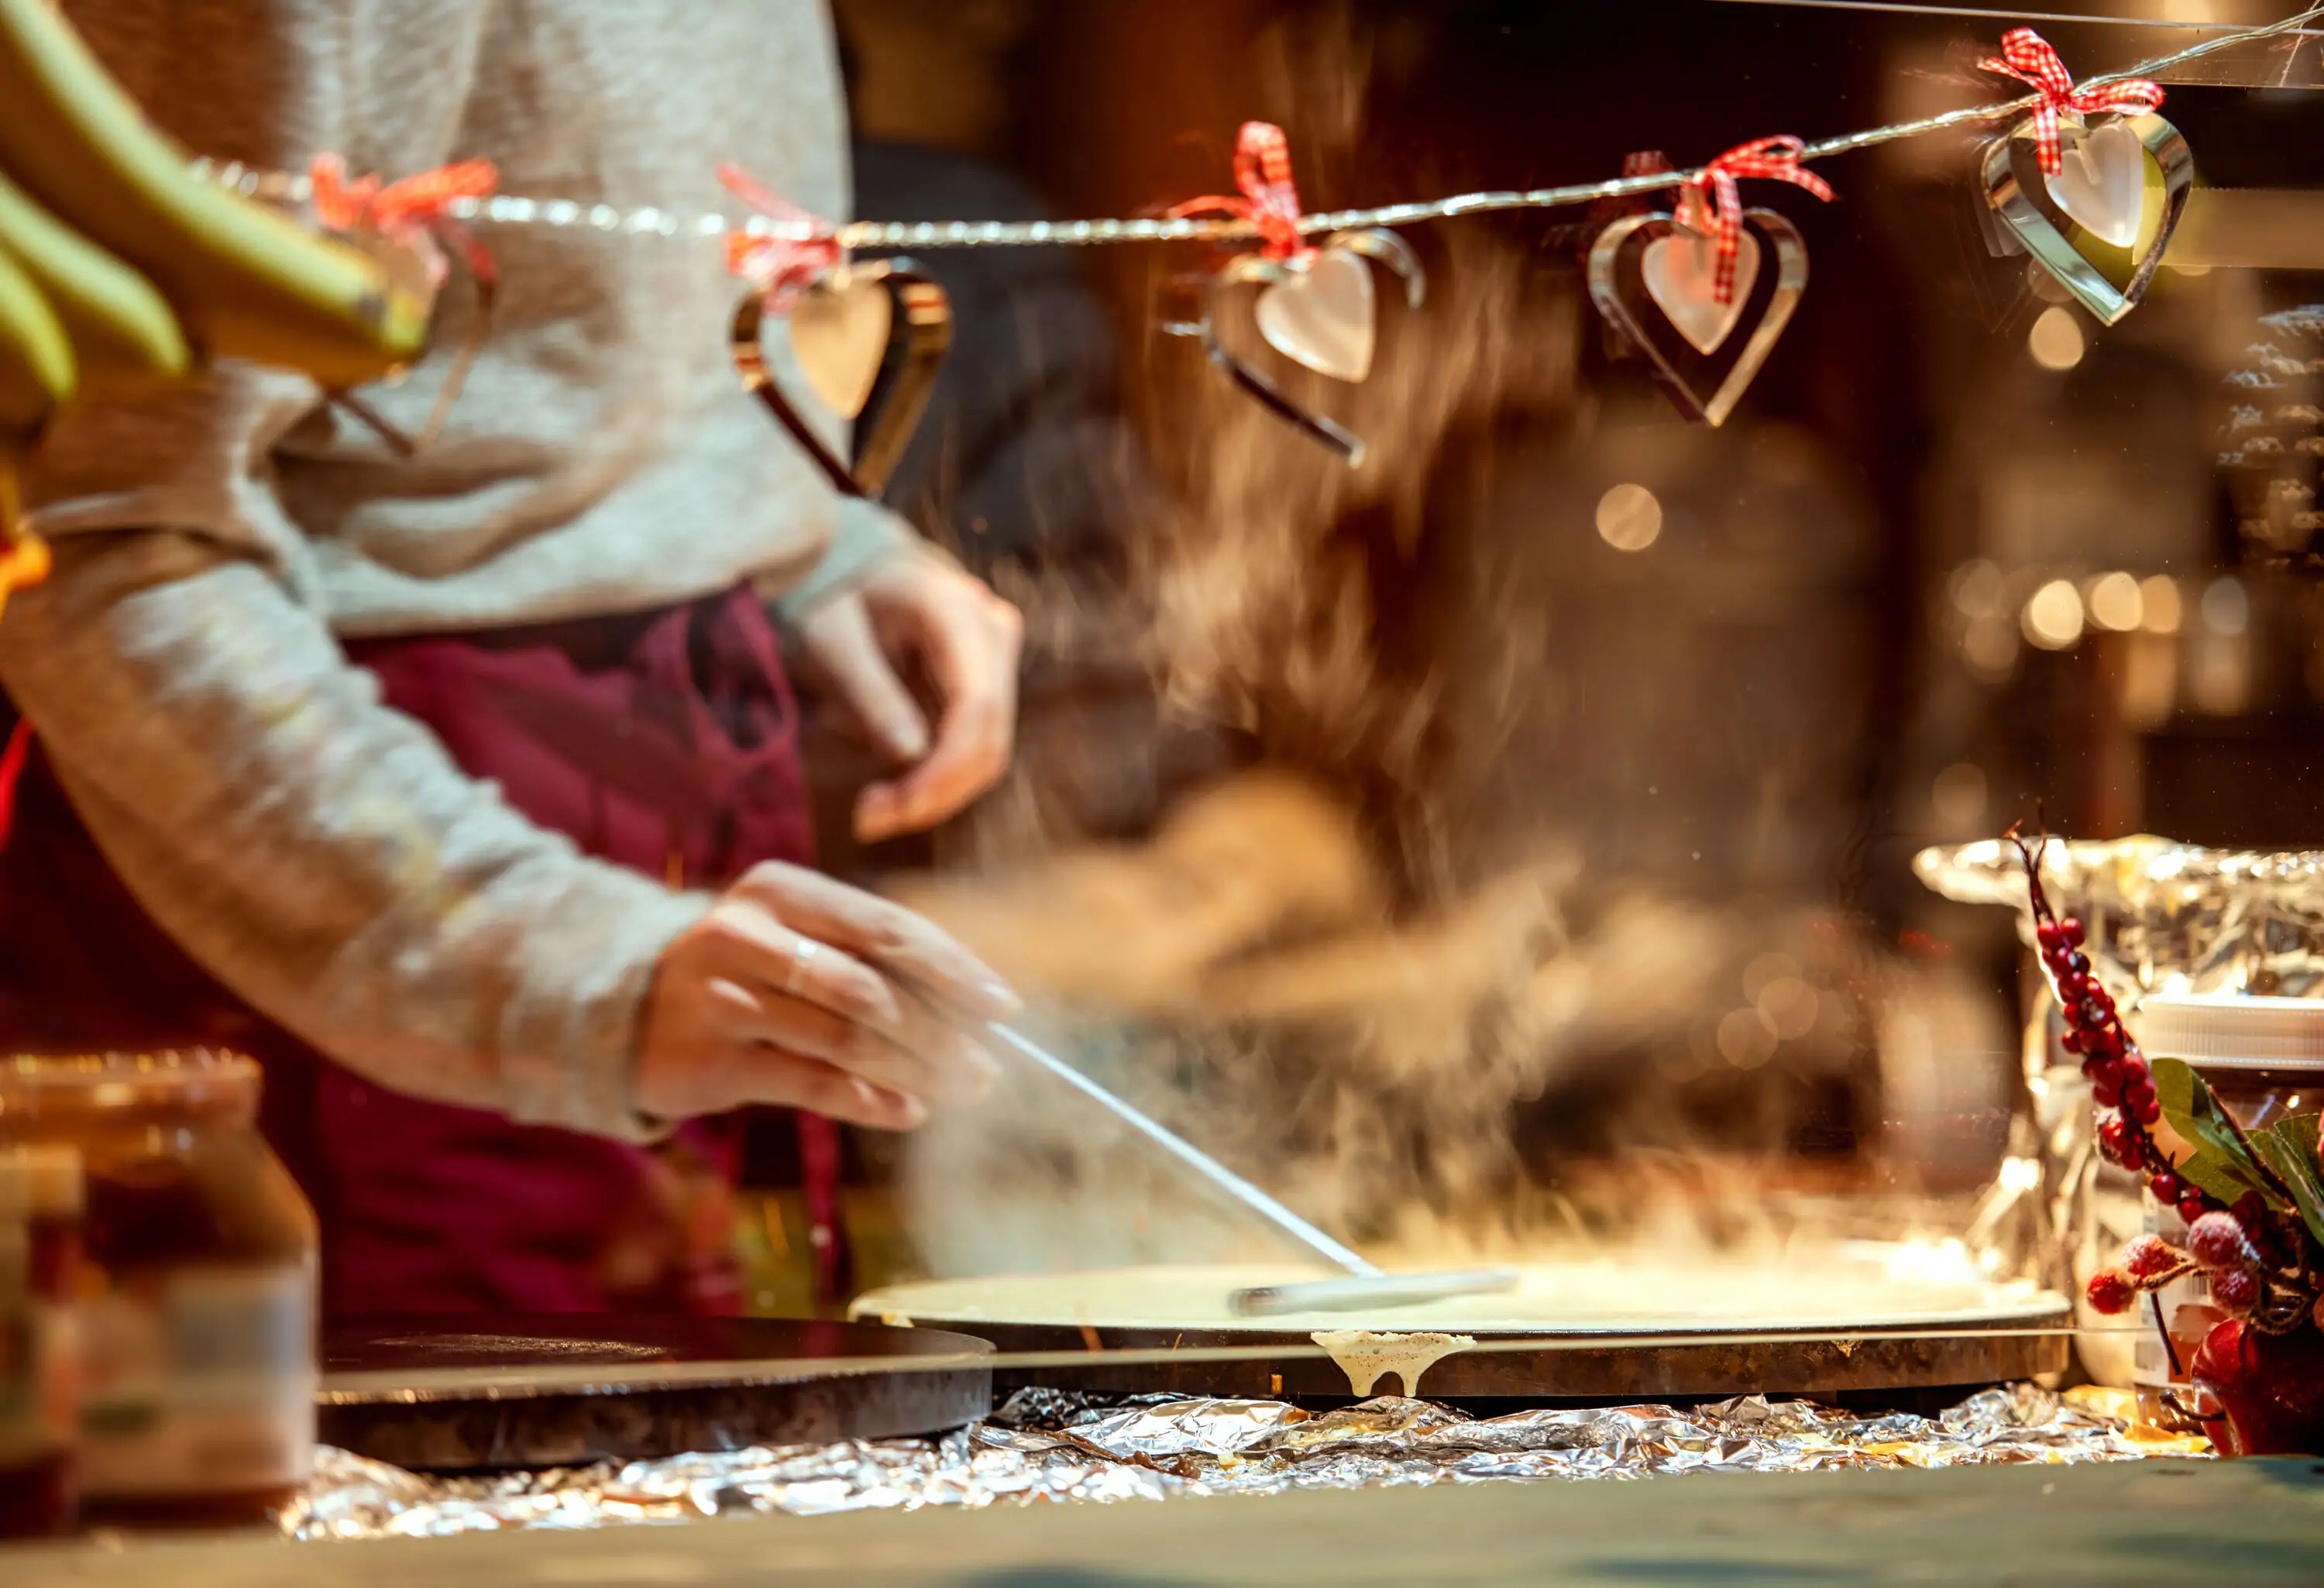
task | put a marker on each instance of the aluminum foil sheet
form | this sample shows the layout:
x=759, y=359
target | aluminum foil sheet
x=1055, y=1445
x=2163, y=917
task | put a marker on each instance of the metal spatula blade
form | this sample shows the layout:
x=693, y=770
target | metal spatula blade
x=1369, y=1293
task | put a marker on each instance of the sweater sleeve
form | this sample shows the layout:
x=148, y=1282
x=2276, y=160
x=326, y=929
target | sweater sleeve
x=318, y=851
x=864, y=535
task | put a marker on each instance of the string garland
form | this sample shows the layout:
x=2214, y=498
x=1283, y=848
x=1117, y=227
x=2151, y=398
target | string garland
x=511, y=209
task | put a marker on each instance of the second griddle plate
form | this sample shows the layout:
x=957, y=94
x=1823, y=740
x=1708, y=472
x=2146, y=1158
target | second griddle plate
x=471, y=1392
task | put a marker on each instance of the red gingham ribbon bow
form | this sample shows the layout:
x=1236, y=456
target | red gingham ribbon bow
x=411, y=210
x=1269, y=200
x=781, y=267
x=2028, y=57
x=1775, y=159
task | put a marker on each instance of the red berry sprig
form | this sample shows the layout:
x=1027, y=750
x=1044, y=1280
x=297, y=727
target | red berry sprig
x=2219, y=1244
x=2121, y=1080
x=2254, y=1272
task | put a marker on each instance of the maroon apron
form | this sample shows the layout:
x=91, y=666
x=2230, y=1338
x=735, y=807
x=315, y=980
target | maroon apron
x=666, y=742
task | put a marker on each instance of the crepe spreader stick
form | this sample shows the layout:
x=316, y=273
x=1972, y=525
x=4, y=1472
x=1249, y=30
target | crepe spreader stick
x=1367, y=1285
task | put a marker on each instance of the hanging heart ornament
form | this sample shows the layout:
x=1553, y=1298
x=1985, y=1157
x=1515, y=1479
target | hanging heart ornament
x=1319, y=309
x=2092, y=181
x=868, y=338
x=407, y=226
x=2100, y=224
x=1654, y=279
x=1316, y=305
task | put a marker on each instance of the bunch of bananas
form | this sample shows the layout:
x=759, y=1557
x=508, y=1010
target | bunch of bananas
x=121, y=272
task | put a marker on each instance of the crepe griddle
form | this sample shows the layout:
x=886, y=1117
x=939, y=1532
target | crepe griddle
x=1982, y=1340
x=469, y=1393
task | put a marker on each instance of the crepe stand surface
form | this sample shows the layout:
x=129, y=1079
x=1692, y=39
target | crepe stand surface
x=1871, y=1318
x=448, y=1394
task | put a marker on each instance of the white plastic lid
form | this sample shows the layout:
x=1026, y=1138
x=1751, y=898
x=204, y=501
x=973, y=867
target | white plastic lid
x=2230, y=1031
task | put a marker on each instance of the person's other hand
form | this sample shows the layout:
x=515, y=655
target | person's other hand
x=801, y=991
x=921, y=613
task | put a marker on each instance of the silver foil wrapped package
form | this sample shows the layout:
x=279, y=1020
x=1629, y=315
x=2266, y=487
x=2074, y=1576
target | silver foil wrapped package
x=1055, y=1445
x=2162, y=916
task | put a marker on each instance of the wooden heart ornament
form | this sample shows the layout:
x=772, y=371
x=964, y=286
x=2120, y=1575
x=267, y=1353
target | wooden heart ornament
x=870, y=338
x=1655, y=278
x=1318, y=309
x=1681, y=272
x=2100, y=224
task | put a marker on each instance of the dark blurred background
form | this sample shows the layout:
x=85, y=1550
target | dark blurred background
x=1692, y=697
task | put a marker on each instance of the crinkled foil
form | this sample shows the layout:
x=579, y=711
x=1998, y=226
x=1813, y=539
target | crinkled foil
x=2163, y=917
x=1055, y=1445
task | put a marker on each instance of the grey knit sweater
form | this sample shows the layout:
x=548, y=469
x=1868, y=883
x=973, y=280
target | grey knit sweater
x=315, y=850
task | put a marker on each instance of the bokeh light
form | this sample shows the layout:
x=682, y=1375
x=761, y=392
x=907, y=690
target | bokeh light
x=1629, y=519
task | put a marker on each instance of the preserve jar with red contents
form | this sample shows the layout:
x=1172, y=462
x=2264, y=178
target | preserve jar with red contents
x=2262, y=1059
x=195, y=1283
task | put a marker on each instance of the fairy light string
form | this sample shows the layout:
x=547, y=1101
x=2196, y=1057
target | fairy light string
x=515, y=209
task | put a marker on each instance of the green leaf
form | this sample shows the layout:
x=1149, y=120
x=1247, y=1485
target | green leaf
x=2290, y=1147
x=2220, y=1166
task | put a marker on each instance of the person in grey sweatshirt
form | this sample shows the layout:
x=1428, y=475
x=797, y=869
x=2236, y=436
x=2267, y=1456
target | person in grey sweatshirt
x=462, y=787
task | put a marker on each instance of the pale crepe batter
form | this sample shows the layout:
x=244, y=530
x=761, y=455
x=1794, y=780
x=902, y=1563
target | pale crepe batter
x=1899, y=1285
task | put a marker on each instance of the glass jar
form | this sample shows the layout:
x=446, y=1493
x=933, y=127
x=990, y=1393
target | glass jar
x=39, y=1378
x=2264, y=1060
x=196, y=1283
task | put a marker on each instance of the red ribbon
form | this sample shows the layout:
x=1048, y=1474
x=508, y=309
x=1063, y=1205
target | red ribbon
x=781, y=267
x=11, y=773
x=2028, y=57
x=1774, y=159
x=1269, y=199
x=414, y=211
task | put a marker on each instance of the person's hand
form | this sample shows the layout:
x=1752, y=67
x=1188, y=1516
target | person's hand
x=920, y=612
x=801, y=991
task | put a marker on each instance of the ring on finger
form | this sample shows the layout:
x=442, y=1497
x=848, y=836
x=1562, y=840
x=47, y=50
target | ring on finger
x=802, y=950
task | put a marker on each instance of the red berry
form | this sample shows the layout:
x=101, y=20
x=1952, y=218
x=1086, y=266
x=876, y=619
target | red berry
x=2048, y=934
x=2192, y=1206
x=2072, y=989
x=2070, y=929
x=2149, y=1255
x=2105, y=1072
x=2167, y=1188
x=2237, y=1289
x=2105, y=1093
x=2111, y=1291
x=2149, y=1111
x=2114, y=1141
x=2219, y=1242
x=2135, y=1067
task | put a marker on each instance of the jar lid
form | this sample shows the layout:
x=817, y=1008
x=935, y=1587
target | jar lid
x=86, y=1084
x=39, y=1181
x=2227, y=1030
